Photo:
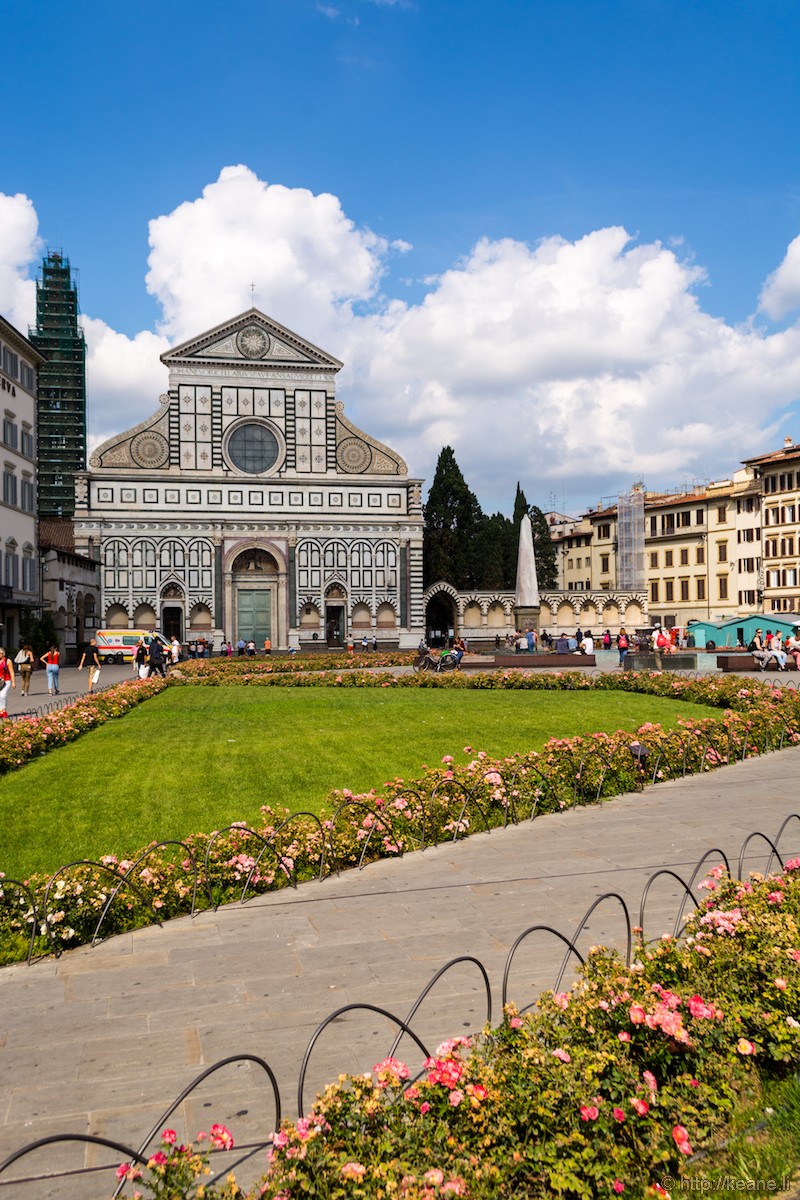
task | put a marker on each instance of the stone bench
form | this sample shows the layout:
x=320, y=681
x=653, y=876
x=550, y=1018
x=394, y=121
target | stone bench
x=746, y=662
x=527, y=661
x=644, y=661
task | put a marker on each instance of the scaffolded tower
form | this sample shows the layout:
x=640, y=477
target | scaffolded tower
x=630, y=538
x=62, y=387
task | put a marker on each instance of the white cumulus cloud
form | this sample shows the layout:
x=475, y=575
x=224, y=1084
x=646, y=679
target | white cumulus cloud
x=124, y=378
x=580, y=365
x=781, y=292
x=20, y=246
x=307, y=260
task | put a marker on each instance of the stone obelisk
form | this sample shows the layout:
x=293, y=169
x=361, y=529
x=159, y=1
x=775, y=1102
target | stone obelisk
x=526, y=608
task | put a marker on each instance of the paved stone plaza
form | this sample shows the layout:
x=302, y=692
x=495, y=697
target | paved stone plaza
x=104, y=1039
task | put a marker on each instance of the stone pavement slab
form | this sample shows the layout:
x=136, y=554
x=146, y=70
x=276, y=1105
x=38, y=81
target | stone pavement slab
x=102, y=1040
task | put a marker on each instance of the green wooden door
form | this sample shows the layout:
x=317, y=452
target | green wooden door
x=254, y=614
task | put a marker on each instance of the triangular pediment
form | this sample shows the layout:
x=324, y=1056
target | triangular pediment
x=253, y=340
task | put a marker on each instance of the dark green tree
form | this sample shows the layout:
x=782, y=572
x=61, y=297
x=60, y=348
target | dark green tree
x=545, y=550
x=38, y=632
x=520, y=508
x=492, y=544
x=453, y=521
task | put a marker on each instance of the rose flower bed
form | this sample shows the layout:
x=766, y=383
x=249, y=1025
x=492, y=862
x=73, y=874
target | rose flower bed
x=446, y=802
x=623, y=1085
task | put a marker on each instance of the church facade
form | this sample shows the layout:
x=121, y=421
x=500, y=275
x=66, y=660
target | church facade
x=249, y=506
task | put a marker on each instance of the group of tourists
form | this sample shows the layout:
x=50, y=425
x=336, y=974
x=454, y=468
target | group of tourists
x=771, y=647
x=152, y=658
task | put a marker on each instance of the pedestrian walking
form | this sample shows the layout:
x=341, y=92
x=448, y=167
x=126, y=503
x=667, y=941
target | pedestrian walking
x=157, y=658
x=51, y=661
x=92, y=665
x=24, y=662
x=7, y=681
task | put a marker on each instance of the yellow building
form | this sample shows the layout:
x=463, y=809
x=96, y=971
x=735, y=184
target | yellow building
x=778, y=479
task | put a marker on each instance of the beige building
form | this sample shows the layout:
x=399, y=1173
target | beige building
x=19, y=562
x=778, y=479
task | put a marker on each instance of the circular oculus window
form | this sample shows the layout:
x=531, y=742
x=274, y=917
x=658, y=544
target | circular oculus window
x=253, y=449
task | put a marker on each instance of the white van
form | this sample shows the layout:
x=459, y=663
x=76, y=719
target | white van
x=119, y=645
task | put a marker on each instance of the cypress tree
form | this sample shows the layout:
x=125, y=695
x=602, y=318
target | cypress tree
x=545, y=550
x=453, y=520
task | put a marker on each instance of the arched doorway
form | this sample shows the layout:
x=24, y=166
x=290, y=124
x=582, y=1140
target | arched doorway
x=255, y=578
x=172, y=610
x=335, y=613
x=440, y=619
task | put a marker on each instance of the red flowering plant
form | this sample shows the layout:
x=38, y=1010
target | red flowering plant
x=176, y=1171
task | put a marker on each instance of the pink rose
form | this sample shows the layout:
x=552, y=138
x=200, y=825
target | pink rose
x=170, y=1136
x=624, y=1037
x=618, y=1186
x=641, y=1107
x=618, y=1115
x=637, y=1014
x=589, y=1112
x=681, y=1138
x=456, y=1097
x=650, y=1080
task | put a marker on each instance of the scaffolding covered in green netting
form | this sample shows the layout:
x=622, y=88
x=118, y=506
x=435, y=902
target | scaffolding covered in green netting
x=61, y=408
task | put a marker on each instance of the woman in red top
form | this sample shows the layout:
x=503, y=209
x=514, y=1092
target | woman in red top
x=50, y=661
x=7, y=680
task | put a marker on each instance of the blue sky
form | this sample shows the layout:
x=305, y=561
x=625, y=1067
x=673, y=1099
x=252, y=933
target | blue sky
x=475, y=154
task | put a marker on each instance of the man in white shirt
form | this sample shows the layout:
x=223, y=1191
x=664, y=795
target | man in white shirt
x=587, y=643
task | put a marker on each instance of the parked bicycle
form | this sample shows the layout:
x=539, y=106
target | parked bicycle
x=447, y=662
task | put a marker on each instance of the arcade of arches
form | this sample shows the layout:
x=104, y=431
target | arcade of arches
x=483, y=617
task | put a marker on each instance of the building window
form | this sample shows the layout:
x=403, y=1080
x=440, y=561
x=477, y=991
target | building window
x=604, y=531
x=10, y=362
x=9, y=487
x=684, y=558
x=604, y=563
x=12, y=565
x=253, y=448
x=668, y=560
x=701, y=589
x=10, y=431
x=722, y=514
x=685, y=519
x=28, y=574
x=653, y=526
x=770, y=483
x=28, y=495
x=787, y=546
x=654, y=559
x=669, y=590
x=27, y=442
x=722, y=552
x=722, y=587
x=684, y=585
x=700, y=516
x=654, y=592
x=700, y=556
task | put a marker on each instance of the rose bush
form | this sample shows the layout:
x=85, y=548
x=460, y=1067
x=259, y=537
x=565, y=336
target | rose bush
x=466, y=792
x=605, y=1089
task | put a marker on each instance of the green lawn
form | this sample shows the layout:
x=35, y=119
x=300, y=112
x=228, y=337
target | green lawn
x=199, y=758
